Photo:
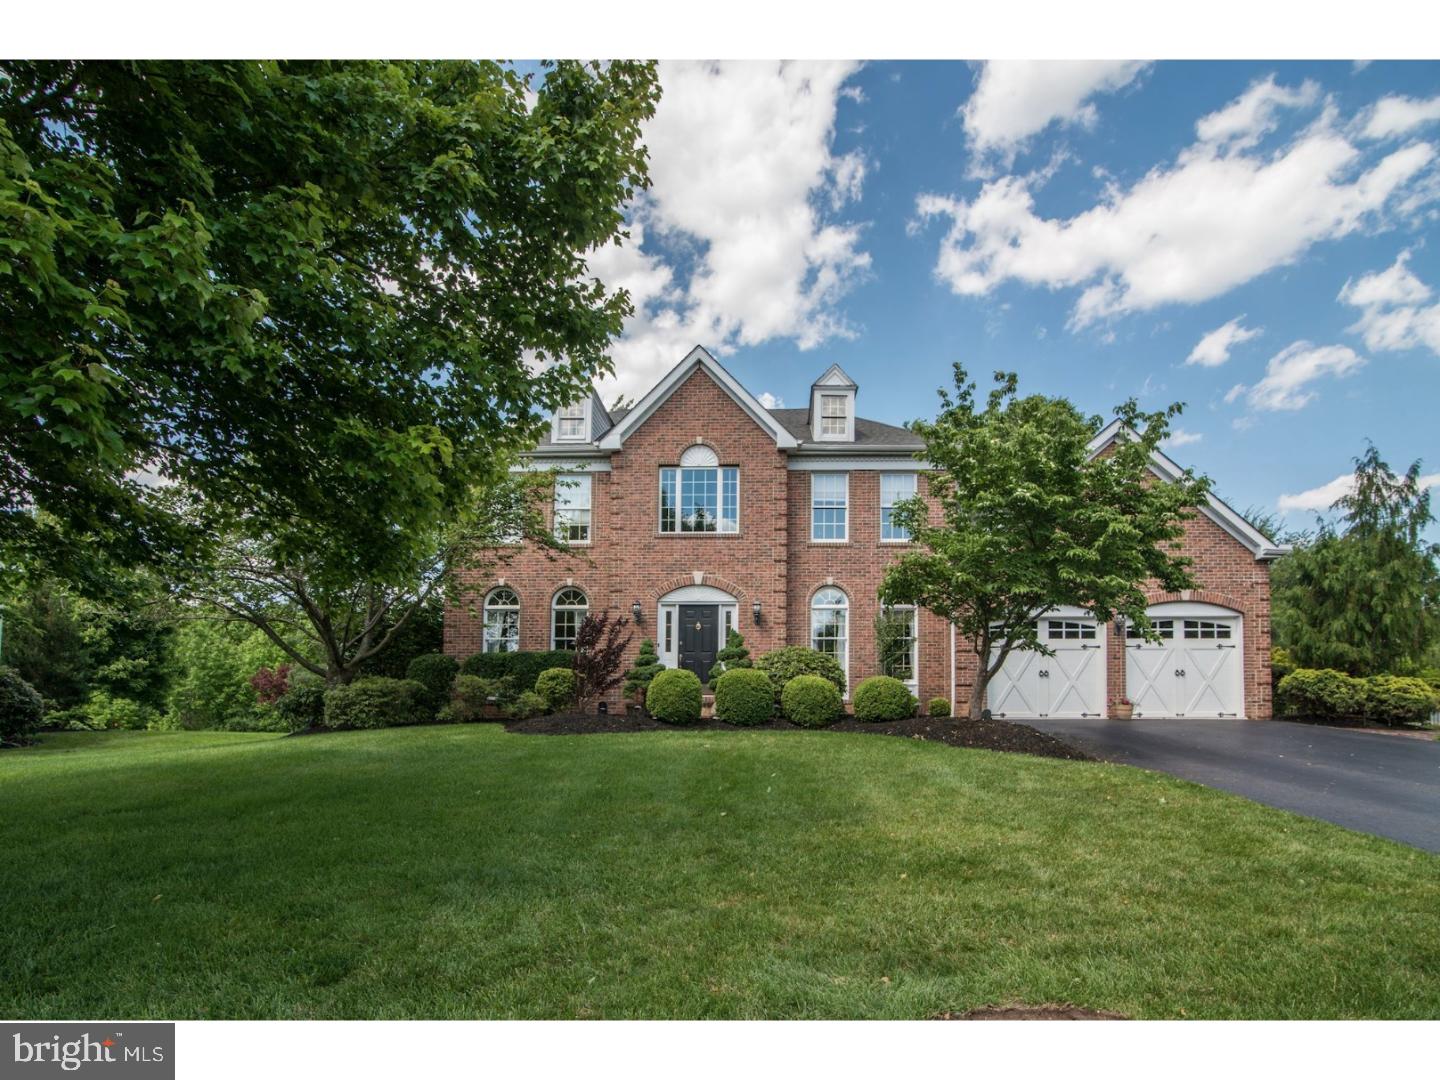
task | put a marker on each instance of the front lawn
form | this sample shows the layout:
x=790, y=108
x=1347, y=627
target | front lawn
x=466, y=872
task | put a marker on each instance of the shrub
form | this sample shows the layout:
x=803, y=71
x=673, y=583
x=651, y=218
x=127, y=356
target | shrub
x=811, y=701
x=782, y=665
x=1281, y=663
x=522, y=668
x=471, y=694
x=599, y=654
x=880, y=699
x=374, y=702
x=20, y=709
x=435, y=672
x=105, y=711
x=302, y=707
x=938, y=706
x=733, y=655
x=1395, y=699
x=743, y=696
x=526, y=704
x=558, y=688
x=1322, y=693
x=674, y=696
x=647, y=666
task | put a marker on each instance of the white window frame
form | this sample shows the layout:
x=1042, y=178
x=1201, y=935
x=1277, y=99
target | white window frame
x=489, y=637
x=556, y=607
x=844, y=539
x=828, y=429
x=844, y=637
x=723, y=525
x=914, y=490
x=568, y=414
x=574, y=516
x=914, y=681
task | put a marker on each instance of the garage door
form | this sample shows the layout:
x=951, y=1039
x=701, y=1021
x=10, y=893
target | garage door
x=1195, y=668
x=1069, y=684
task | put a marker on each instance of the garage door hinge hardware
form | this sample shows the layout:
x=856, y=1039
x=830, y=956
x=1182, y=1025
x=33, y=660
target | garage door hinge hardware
x=1224, y=646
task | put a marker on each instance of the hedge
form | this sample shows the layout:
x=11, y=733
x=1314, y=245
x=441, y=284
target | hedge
x=1396, y=699
x=375, y=702
x=743, y=697
x=1326, y=694
x=436, y=672
x=522, y=667
x=881, y=698
x=21, y=709
x=557, y=687
x=302, y=706
x=782, y=665
x=938, y=706
x=674, y=696
x=811, y=701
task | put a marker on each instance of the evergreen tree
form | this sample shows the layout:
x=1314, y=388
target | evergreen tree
x=733, y=655
x=647, y=666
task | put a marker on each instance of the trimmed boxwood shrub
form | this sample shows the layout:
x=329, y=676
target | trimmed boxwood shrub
x=1395, y=699
x=374, y=702
x=471, y=694
x=526, y=704
x=556, y=687
x=881, y=698
x=301, y=707
x=674, y=696
x=782, y=665
x=21, y=709
x=521, y=667
x=743, y=696
x=436, y=672
x=811, y=701
x=1322, y=693
x=647, y=666
x=938, y=706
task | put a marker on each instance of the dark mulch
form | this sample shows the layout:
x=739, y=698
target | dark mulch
x=1032, y=1012
x=979, y=735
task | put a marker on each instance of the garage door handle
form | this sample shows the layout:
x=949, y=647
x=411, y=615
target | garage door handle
x=1180, y=671
x=1224, y=646
x=1089, y=646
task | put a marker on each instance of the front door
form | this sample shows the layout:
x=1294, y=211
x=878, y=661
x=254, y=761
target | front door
x=699, y=638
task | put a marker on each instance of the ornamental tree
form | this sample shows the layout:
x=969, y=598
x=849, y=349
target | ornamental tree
x=1028, y=520
x=326, y=297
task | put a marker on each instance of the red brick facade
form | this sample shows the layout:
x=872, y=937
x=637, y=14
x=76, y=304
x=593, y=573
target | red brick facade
x=771, y=559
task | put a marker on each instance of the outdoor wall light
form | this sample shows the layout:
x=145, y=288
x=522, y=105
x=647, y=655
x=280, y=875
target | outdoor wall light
x=635, y=610
x=755, y=612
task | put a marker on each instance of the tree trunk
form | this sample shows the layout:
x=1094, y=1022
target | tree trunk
x=977, y=693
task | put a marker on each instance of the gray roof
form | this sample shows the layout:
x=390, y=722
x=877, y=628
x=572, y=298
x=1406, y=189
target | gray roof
x=797, y=422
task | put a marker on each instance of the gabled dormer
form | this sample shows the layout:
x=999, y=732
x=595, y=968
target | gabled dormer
x=581, y=422
x=832, y=407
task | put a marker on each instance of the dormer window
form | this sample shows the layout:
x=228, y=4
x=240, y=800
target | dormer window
x=570, y=422
x=834, y=415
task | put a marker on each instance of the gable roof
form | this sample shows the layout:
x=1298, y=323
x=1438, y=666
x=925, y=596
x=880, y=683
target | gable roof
x=660, y=393
x=1215, y=509
x=868, y=433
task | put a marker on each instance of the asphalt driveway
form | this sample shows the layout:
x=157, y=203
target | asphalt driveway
x=1383, y=784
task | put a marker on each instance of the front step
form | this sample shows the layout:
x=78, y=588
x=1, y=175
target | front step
x=707, y=705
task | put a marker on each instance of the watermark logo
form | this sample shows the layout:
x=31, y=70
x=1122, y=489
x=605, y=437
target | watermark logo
x=102, y=1051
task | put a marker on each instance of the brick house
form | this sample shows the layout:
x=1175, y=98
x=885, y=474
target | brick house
x=699, y=510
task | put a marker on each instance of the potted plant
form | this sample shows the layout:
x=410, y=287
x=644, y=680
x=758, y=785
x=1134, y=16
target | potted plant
x=1122, y=709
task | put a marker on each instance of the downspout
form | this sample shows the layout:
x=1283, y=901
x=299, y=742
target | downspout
x=952, y=669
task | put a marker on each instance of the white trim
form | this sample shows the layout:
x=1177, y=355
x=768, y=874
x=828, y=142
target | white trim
x=880, y=521
x=545, y=463
x=855, y=463
x=847, y=608
x=1215, y=508
x=586, y=419
x=1191, y=609
x=720, y=471
x=698, y=594
x=690, y=594
x=912, y=683
x=615, y=438
x=554, y=607
x=832, y=539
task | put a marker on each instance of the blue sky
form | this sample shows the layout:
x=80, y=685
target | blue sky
x=1085, y=225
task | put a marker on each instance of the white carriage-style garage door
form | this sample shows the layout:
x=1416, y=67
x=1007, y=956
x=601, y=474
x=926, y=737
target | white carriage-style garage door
x=1196, y=667
x=1070, y=683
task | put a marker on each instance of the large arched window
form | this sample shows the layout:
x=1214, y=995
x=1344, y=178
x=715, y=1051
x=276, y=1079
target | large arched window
x=830, y=626
x=566, y=614
x=502, y=621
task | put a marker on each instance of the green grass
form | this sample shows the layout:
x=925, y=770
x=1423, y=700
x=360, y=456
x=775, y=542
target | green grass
x=466, y=872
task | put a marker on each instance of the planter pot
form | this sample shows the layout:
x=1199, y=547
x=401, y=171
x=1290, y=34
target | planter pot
x=1123, y=712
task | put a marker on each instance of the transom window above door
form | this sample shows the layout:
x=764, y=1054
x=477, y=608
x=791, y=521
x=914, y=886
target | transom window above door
x=701, y=496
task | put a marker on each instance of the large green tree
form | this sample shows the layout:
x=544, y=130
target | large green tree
x=1028, y=520
x=327, y=297
x=1364, y=595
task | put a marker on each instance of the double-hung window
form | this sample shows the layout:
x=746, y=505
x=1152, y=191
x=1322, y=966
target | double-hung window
x=894, y=488
x=570, y=423
x=898, y=643
x=502, y=621
x=834, y=420
x=829, y=506
x=572, y=508
x=830, y=626
x=700, y=499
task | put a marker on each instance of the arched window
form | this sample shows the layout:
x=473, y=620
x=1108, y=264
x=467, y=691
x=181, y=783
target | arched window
x=830, y=626
x=502, y=621
x=567, y=612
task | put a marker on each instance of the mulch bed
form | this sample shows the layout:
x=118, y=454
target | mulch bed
x=1032, y=1012
x=979, y=735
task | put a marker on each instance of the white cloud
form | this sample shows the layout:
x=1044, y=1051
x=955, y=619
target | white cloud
x=1015, y=99
x=1324, y=496
x=1291, y=370
x=770, y=401
x=1214, y=348
x=742, y=169
x=1221, y=214
x=1180, y=437
x=1394, y=314
x=1397, y=115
